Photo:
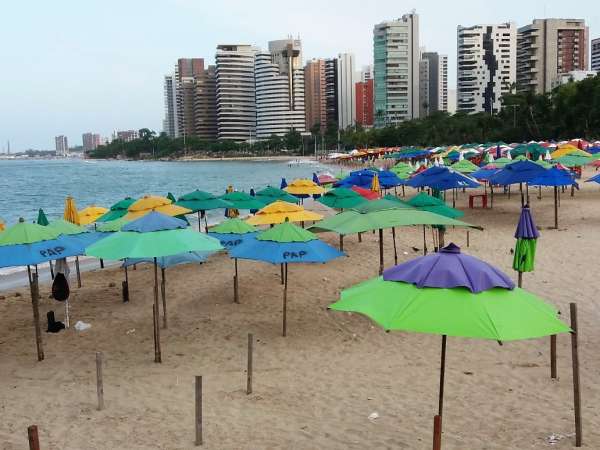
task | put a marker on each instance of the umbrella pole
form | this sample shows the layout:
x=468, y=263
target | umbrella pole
x=236, y=298
x=442, y=376
x=126, y=287
x=341, y=242
x=556, y=207
x=78, y=272
x=282, y=280
x=51, y=270
x=491, y=196
x=199, y=222
x=359, y=237
x=163, y=293
x=527, y=192
x=424, y=241
x=394, y=241
x=157, y=355
x=539, y=192
x=520, y=279
x=402, y=190
x=380, y=251
x=205, y=223
x=35, y=295
x=285, y=301
x=440, y=239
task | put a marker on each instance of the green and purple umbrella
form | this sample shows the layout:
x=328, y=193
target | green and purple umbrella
x=526, y=235
x=451, y=294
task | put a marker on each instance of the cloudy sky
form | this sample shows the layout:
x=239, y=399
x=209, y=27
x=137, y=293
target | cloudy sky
x=71, y=66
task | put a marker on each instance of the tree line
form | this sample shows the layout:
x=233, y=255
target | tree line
x=568, y=111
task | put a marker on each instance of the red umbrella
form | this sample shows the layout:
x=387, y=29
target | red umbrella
x=366, y=193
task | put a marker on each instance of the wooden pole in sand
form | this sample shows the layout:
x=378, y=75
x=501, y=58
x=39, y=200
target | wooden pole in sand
x=553, y=371
x=341, y=242
x=32, y=435
x=437, y=421
x=125, y=287
x=249, y=369
x=155, y=315
x=198, y=410
x=520, y=279
x=35, y=297
x=380, y=251
x=394, y=241
x=99, y=381
x=556, y=207
x=199, y=222
x=78, y=271
x=236, y=298
x=163, y=293
x=282, y=281
x=437, y=433
x=576, y=381
x=285, y=286
x=424, y=241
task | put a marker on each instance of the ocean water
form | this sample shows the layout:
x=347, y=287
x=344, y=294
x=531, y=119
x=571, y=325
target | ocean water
x=27, y=185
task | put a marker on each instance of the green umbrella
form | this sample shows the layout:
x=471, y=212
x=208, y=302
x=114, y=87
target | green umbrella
x=42, y=219
x=153, y=236
x=233, y=226
x=27, y=233
x=341, y=198
x=241, y=200
x=368, y=217
x=451, y=294
x=464, y=166
x=117, y=210
x=574, y=160
x=533, y=149
x=271, y=194
x=62, y=226
x=200, y=202
x=112, y=225
x=171, y=197
x=501, y=162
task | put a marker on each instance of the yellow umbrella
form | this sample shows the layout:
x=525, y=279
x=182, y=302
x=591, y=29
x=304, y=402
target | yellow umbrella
x=91, y=214
x=279, y=212
x=231, y=213
x=150, y=203
x=563, y=150
x=303, y=186
x=375, y=184
x=70, y=214
x=2, y=226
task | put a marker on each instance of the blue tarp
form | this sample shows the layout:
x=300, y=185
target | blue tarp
x=314, y=251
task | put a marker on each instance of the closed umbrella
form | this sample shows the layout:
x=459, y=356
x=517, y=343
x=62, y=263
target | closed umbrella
x=42, y=219
x=526, y=235
x=70, y=214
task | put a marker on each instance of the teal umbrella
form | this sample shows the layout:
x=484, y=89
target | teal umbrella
x=200, y=202
x=272, y=194
x=42, y=219
x=117, y=210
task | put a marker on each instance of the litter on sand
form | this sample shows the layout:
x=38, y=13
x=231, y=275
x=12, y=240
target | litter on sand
x=82, y=326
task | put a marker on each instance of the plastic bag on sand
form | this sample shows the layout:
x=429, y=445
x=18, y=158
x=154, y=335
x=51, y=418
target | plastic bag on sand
x=82, y=326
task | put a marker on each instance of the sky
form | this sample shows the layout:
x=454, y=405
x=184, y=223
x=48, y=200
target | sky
x=72, y=66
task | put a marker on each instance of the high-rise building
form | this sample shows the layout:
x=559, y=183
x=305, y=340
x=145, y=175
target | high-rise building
x=574, y=76
x=331, y=92
x=433, y=83
x=127, y=135
x=364, y=103
x=279, y=89
x=548, y=48
x=366, y=73
x=61, y=145
x=315, y=101
x=171, y=120
x=486, y=66
x=91, y=141
x=396, y=70
x=345, y=91
x=235, y=92
x=596, y=55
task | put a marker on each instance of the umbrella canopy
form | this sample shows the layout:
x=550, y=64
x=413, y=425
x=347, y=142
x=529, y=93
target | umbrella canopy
x=326, y=178
x=271, y=194
x=202, y=201
x=70, y=214
x=341, y=198
x=526, y=235
x=441, y=179
x=594, y=179
x=365, y=179
x=303, y=187
x=366, y=193
x=566, y=149
x=26, y=233
x=518, y=172
x=165, y=262
x=152, y=236
x=402, y=170
x=61, y=226
x=91, y=214
x=476, y=301
x=533, y=149
x=153, y=203
x=425, y=202
x=233, y=232
x=241, y=200
x=279, y=212
x=553, y=177
x=117, y=210
x=572, y=160
x=42, y=219
x=112, y=225
x=501, y=162
x=464, y=166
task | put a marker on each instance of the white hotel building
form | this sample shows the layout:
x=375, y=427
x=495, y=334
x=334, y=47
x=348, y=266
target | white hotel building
x=486, y=66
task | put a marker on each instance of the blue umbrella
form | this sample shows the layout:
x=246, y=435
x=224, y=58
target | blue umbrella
x=21, y=255
x=554, y=177
x=253, y=194
x=283, y=184
x=284, y=244
x=231, y=240
x=498, y=152
x=484, y=174
x=595, y=179
x=518, y=172
x=364, y=179
x=441, y=179
x=315, y=179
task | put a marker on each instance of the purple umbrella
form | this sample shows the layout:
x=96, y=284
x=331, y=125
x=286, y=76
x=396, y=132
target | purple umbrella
x=449, y=268
x=526, y=228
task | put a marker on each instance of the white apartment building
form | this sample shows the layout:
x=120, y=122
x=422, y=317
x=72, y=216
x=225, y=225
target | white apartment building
x=61, y=146
x=346, y=96
x=486, y=66
x=170, y=97
x=236, y=103
x=433, y=83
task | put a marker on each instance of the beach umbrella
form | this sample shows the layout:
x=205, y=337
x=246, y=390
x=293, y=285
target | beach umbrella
x=572, y=160
x=42, y=219
x=441, y=179
x=271, y=194
x=117, y=210
x=594, y=179
x=518, y=172
x=565, y=150
x=375, y=187
x=315, y=180
x=70, y=213
x=341, y=198
x=381, y=216
x=554, y=177
x=91, y=214
x=154, y=235
x=27, y=244
x=526, y=235
x=303, y=188
x=241, y=200
x=425, y=202
x=200, y=202
x=2, y=226
x=368, y=194
x=285, y=244
x=279, y=212
x=112, y=225
x=533, y=149
x=501, y=162
x=485, y=173
x=326, y=178
x=171, y=197
x=451, y=294
x=230, y=234
x=283, y=184
x=154, y=203
x=464, y=166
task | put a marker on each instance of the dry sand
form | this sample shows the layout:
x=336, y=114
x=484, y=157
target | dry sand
x=315, y=388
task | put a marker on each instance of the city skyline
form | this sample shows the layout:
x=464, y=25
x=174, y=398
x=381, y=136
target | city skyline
x=106, y=79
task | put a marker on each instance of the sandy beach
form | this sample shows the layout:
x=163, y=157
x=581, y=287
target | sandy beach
x=315, y=388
